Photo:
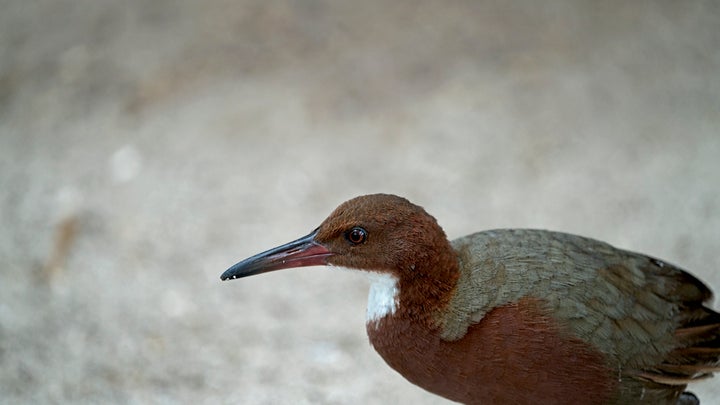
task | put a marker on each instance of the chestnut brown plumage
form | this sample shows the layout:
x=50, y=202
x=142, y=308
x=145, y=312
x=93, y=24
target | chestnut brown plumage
x=517, y=316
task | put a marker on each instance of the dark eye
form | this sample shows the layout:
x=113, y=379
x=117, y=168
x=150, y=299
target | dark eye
x=356, y=235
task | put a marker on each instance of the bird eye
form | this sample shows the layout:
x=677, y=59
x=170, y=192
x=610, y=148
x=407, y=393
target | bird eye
x=356, y=235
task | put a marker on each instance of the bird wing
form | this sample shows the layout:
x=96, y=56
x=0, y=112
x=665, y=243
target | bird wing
x=647, y=316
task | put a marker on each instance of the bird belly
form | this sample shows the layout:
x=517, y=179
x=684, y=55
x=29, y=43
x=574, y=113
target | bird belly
x=515, y=354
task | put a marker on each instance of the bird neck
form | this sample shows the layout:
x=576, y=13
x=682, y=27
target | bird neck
x=426, y=292
x=418, y=292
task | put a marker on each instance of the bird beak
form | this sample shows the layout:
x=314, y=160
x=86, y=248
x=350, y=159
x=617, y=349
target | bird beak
x=298, y=253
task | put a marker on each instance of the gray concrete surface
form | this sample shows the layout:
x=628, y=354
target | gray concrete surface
x=147, y=146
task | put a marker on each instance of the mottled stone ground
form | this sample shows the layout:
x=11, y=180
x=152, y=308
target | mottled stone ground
x=147, y=146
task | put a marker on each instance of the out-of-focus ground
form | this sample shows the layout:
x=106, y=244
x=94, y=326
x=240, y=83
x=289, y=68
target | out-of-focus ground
x=145, y=146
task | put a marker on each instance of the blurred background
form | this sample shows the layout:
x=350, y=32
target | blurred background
x=147, y=146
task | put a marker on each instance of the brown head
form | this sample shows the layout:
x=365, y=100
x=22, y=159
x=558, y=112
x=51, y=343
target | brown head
x=378, y=233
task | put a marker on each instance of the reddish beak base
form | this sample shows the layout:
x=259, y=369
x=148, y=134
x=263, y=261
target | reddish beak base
x=298, y=253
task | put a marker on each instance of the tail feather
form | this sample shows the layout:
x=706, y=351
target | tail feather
x=700, y=336
x=696, y=355
x=666, y=379
x=691, y=370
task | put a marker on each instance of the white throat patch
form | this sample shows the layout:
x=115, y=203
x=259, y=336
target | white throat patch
x=383, y=296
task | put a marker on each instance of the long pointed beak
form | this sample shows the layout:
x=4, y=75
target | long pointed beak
x=298, y=253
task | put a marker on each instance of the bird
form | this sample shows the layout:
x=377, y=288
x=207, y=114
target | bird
x=514, y=316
